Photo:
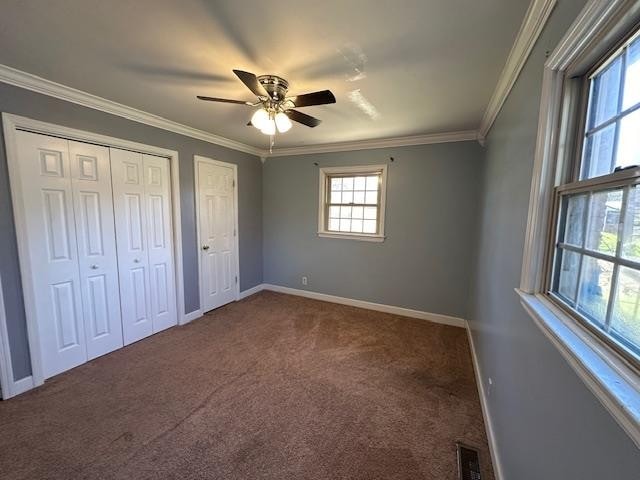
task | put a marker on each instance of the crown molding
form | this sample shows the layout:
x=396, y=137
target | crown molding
x=534, y=21
x=41, y=85
x=462, y=136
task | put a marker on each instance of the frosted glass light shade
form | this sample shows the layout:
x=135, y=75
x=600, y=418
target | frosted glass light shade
x=282, y=122
x=269, y=127
x=260, y=118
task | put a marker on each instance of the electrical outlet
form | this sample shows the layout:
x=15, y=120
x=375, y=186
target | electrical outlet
x=304, y=281
x=490, y=387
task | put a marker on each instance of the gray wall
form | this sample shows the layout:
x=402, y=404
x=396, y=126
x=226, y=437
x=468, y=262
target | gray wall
x=430, y=216
x=548, y=424
x=22, y=102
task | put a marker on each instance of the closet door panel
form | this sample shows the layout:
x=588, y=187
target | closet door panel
x=160, y=242
x=94, y=218
x=131, y=238
x=55, y=288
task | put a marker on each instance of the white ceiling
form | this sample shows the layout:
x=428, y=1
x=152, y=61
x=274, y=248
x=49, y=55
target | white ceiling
x=426, y=66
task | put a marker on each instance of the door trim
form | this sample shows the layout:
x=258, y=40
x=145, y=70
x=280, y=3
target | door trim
x=234, y=167
x=13, y=123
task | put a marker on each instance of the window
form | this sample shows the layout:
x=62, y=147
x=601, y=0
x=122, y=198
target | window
x=352, y=202
x=594, y=269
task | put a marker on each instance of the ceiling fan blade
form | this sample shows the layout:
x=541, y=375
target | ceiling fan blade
x=223, y=100
x=316, y=98
x=303, y=118
x=252, y=83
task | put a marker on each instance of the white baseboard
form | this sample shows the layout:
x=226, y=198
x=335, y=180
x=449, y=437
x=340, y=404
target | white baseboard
x=191, y=316
x=379, y=307
x=488, y=424
x=251, y=291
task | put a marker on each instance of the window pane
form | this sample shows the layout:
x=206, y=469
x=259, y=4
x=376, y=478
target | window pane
x=347, y=183
x=345, y=212
x=369, y=226
x=632, y=76
x=595, y=284
x=336, y=183
x=598, y=151
x=334, y=212
x=347, y=197
x=359, y=183
x=371, y=198
x=603, y=103
x=345, y=225
x=370, y=213
x=358, y=197
x=357, y=212
x=625, y=320
x=356, y=226
x=604, y=217
x=568, y=275
x=372, y=183
x=575, y=220
x=629, y=142
x=631, y=238
x=334, y=224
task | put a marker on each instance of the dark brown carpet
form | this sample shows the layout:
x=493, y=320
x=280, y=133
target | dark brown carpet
x=272, y=387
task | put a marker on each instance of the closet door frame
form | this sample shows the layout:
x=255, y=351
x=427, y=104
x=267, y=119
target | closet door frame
x=197, y=159
x=11, y=125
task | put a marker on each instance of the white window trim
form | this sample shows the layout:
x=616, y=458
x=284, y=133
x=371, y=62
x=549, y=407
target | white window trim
x=613, y=380
x=367, y=237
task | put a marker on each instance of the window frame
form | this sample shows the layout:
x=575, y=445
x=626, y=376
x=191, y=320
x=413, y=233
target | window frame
x=607, y=374
x=569, y=182
x=325, y=175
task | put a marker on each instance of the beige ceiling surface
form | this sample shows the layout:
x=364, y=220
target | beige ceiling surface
x=397, y=68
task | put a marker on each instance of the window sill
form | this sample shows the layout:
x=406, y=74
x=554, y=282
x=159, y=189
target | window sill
x=613, y=381
x=353, y=236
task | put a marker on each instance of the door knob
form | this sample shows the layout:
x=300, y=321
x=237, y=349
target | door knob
x=94, y=267
x=205, y=247
x=136, y=260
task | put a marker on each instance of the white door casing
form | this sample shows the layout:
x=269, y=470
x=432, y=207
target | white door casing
x=216, y=212
x=131, y=237
x=96, y=245
x=46, y=186
x=159, y=244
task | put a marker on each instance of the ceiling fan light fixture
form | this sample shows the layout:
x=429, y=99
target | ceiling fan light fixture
x=260, y=118
x=269, y=127
x=282, y=122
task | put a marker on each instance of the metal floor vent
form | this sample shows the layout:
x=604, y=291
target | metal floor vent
x=468, y=463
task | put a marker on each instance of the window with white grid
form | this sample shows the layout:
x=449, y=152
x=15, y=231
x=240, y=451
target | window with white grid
x=352, y=202
x=595, y=263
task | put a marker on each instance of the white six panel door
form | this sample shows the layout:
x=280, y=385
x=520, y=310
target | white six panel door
x=159, y=242
x=216, y=214
x=131, y=237
x=46, y=187
x=99, y=243
x=96, y=242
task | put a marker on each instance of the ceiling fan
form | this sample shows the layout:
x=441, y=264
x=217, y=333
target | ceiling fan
x=276, y=109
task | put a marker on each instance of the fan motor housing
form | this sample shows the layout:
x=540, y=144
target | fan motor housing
x=275, y=86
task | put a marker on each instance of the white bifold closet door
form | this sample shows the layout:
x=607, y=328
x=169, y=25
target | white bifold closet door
x=65, y=188
x=142, y=203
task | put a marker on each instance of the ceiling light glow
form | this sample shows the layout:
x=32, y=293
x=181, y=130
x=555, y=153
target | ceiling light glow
x=282, y=122
x=269, y=127
x=260, y=119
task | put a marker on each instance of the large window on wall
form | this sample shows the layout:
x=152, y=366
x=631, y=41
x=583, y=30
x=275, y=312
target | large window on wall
x=594, y=260
x=352, y=202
